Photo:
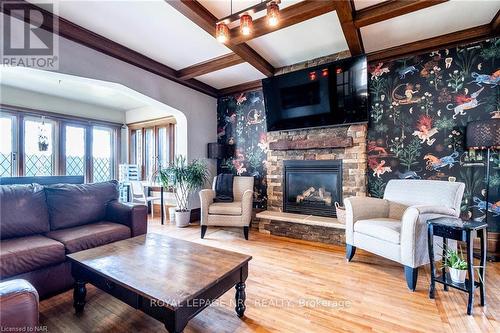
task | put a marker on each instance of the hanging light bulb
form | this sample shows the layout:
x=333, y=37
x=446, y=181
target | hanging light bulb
x=273, y=14
x=221, y=32
x=246, y=24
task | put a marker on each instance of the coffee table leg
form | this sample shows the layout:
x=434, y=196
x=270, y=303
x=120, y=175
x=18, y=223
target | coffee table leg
x=79, y=294
x=171, y=327
x=240, y=299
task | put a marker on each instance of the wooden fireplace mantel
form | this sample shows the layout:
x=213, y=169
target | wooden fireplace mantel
x=328, y=142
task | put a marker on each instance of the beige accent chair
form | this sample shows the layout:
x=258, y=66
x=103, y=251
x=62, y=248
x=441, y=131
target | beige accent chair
x=395, y=227
x=228, y=214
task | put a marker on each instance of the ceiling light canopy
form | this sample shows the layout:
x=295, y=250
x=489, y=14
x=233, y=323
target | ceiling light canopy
x=246, y=22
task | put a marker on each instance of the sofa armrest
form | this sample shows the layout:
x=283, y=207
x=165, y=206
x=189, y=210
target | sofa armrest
x=18, y=306
x=247, y=206
x=414, y=250
x=360, y=208
x=133, y=216
x=206, y=199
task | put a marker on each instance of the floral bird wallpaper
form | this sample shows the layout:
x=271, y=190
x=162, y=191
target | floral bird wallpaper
x=241, y=122
x=420, y=107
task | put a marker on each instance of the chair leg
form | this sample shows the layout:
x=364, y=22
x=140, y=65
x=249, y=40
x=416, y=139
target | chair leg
x=245, y=232
x=349, y=251
x=152, y=209
x=203, y=230
x=411, y=275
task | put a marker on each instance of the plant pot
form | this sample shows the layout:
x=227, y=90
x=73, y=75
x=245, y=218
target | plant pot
x=458, y=275
x=182, y=218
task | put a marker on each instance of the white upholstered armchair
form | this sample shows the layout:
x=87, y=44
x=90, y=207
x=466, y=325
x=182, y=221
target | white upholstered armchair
x=395, y=227
x=228, y=214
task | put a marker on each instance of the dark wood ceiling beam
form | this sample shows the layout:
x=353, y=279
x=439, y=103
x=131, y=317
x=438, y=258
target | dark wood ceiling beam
x=495, y=23
x=104, y=45
x=345, y=12
x=198, y=14
x=289, y=16
x=239, y=88
x=209, y=66
x=390, y=9
x=430, y=44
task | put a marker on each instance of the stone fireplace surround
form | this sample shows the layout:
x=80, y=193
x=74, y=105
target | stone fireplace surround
x=347, y=143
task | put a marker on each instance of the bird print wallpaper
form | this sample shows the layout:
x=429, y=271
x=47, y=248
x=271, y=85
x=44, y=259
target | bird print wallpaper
x=241, y=122
x=420, y=107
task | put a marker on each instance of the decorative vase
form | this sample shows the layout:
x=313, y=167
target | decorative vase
x=458, y=275
x=182, y=218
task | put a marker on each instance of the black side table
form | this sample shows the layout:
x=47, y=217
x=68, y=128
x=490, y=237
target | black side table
x=456, y=229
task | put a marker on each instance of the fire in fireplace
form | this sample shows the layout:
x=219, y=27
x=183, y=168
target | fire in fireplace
x=311, y=187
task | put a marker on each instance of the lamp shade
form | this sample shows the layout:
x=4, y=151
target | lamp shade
x=218, y=150
x=483, y=134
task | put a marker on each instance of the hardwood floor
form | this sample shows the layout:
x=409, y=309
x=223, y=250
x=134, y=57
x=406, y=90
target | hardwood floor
x=296, y=286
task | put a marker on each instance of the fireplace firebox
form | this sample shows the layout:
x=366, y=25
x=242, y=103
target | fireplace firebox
x=312, y=187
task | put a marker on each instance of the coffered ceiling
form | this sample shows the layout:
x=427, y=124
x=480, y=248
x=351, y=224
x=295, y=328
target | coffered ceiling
x=441, y=19
x=175, y=38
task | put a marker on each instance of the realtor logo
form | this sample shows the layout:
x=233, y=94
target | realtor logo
x=29, y=36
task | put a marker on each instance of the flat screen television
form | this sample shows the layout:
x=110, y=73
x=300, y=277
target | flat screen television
x=326, y=95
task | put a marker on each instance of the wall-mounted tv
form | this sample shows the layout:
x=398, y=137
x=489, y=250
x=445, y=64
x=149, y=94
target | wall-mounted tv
x=325, y=95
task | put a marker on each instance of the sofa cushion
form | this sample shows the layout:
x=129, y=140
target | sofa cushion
x=73, y=205
x=382, y=228
x=90, y=235
x=24, y=254
x=23, y=211
x=225, y=208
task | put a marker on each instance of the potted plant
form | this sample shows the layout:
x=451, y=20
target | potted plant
x=184, y=178
x=457, y=266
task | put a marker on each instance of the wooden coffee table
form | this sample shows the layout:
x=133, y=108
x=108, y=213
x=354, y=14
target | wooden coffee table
x=169, y=279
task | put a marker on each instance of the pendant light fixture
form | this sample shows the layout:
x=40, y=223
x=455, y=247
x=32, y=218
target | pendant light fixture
x=222, y=32
x=273, y=14
x=246, y=24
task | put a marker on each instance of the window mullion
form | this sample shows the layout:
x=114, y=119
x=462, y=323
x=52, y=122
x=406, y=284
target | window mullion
x=20, y=148
x=88, y=154
x=61, y=148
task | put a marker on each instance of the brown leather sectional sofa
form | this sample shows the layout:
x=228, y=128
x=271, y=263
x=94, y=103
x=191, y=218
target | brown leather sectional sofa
x=39, y=225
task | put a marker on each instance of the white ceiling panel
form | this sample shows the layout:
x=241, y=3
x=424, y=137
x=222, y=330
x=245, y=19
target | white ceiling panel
x=360, y=4
x=231, y=76
x=448, y=17
x=310, y=39
x=151, y=27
